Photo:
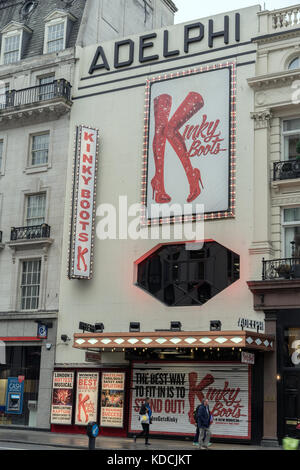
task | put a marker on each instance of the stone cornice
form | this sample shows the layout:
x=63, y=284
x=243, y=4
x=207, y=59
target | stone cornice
x=281, y=79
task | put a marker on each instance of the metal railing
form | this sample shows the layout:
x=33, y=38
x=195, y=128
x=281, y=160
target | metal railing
x=286, y=170
x=281, y=268
x=30, y=233
x=36, y=94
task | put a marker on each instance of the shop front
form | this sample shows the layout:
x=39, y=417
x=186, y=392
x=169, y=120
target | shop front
x=19, y=384
x=176, y=371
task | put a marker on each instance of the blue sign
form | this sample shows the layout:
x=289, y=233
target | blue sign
x=95, y=430
x=42, y=331
x=14, y=395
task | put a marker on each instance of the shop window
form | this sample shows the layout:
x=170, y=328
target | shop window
x=36, y=209
x=22, y=362
x=292, y=348
x=291, y=232
x=291, y=137
x=179, y=276
x=30, y=284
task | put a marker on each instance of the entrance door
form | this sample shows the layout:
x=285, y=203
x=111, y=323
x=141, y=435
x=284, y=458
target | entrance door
x=291, y=403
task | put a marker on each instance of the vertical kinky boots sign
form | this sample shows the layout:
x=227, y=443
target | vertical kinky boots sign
x=189, y=144
x=83, y=203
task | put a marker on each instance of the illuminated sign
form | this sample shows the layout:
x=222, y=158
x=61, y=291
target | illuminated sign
x=83, y=204
x=189, y=145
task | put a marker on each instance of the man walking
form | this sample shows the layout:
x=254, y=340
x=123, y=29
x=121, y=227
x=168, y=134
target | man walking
x=204, y=421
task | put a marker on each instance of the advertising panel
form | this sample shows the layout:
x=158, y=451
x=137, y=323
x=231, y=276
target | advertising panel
x=86, y=397
x=112, y=399
x=62, y=398
x=176, y=389
x=189, y=144
x=83, y=204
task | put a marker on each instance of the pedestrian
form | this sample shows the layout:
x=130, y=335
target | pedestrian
x=145, y=415
x=204, y=419
x=196, y=437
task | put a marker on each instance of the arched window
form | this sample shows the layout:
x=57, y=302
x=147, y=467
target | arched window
x=294, y=64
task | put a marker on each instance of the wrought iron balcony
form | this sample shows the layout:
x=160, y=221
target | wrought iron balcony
x=30, y=233
x=282, y=268
x=283, y=170
x=36, y=94
x=17, y=106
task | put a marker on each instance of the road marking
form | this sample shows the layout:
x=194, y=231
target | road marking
x=11, y=448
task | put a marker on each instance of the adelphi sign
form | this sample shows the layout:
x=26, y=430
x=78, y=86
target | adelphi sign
x=192, y=33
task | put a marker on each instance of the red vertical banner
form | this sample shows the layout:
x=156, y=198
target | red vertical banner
x=86, y=397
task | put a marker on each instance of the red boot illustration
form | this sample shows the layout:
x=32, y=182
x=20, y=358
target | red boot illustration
x=164, y=130
x=162, y=108
x=190, y=106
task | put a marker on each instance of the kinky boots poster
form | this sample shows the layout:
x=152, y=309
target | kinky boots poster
x=189, y=143
x=176, y=389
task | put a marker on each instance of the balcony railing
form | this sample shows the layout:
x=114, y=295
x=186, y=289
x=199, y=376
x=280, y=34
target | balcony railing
x=30, y=233
x=286, y=170
x=37, y=94
x=283, y=268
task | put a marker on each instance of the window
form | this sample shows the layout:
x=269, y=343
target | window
x=11, y=49
x=30, y=284
x=39, y=149
x=4, y=88
x=294, y=64
x=56, y=37
x=46, y=87
x=291, y=136
x=1, y=154
x=36, y=209
x=292, y=347
x=291, y=232
x=180, y=276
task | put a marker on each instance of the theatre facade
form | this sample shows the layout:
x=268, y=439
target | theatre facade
x=161, y=241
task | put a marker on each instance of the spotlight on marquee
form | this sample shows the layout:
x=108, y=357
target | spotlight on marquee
x=99, y=327
x=175, y=326
x=134, y=327
x=215, y=325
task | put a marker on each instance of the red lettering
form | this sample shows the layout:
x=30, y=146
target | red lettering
x=86, y=180
x=87, y=158
x=84, y=215
x=86, y=169
x=86, y=193
x=85, y=204
x=80, y=258
x=84, y=225
x=88, y=137
x=83, y=237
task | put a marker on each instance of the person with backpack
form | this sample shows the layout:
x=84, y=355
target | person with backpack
x=204, y=420
x=145, y=415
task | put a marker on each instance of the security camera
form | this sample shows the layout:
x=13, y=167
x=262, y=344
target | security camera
x=65, y=338
x=48, y=346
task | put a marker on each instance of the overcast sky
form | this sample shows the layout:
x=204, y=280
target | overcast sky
x=195, y=9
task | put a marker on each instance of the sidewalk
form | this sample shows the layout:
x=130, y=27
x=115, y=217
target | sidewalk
x=79, y=441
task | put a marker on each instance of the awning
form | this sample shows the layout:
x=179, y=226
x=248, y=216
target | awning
x=175, y=339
